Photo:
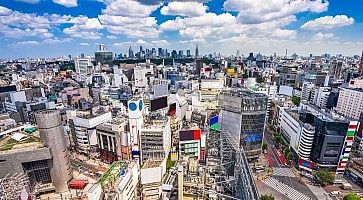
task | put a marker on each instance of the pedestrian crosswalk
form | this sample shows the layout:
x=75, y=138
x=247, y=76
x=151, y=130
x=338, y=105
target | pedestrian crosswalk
x=277, y=171
x=286, y=190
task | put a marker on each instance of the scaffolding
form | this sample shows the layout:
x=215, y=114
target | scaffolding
x=227, y=164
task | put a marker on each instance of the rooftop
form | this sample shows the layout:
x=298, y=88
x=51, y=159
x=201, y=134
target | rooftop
x=8, y=143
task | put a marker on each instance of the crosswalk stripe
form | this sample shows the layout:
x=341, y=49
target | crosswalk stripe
x=286, y=190
x=283, y=172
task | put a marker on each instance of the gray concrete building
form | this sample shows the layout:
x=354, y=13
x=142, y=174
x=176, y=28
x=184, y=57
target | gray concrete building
x=243, y=114
x=52, y=135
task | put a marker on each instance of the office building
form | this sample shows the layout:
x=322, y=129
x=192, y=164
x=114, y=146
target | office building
x=82, y=64
x=308, y=92
x=84, y=126
x=131, y=53
x=243, y=114
x=350, y=102
x=103, y=56
x=196, y=52
x=114, y=140
x=335, y=69
x=155, y=138
x=189, y=54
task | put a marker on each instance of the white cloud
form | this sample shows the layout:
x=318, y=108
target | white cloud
x=129, y=18
x=29, y=1
x=111, y=37
x=323, y=36
x=258, y=11
x=128, y=8
x=86, y=28
x=284, y=33
x=67, y=3
x=130, y=26
x=83, y=44
x=207, y=25
x=328, y=22
x=190, y=9
x=158, y=2
x=4, y=11
x=56, y=40
x=25, y=43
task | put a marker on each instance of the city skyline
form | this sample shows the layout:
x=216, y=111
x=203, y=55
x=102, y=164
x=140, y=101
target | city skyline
x=36, y=28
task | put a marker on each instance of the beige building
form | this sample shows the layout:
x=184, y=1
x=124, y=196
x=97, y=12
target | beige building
x=350, y=102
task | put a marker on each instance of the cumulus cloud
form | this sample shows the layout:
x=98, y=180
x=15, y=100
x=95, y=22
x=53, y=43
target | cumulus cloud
x=190, y=9
x=86, y=28
x=258, y=11
x=128, y=8
x=56, y=40
x=67, y=3
x=323, y=36
x=207, y=25
x=25, y=43
x=111, y=37
x=4, y=11
x=129, y=18
x=83, y=44
x=284, y=33
x=328, y=22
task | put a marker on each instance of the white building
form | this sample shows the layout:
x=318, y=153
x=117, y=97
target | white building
x=321, y=96
x=14, y=97
x=135, y=112
x=307, y=93
x=81, y=65
x=356, y=83
x=85, y=129
x=350, y=102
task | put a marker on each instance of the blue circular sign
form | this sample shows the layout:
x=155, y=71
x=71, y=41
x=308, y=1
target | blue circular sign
x=132, y=106
x=140, y=105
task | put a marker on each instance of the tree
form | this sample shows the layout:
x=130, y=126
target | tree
x=324, y=177
x=264, y=146
x=259, y=79
x=290, y=156
x=267, y=197
x=278, y=140
x=351, y=196
x=296, y=100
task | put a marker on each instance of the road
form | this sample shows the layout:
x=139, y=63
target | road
x=271, y=150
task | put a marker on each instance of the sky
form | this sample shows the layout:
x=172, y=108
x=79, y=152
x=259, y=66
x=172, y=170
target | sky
x=55, y=28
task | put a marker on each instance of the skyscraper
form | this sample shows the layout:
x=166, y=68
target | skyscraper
x=131, y=53
x=336, y=68
x=196, y=52
x=188, y=53
x=52, y=135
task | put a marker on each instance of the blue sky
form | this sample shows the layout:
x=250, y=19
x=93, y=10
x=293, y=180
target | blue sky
x=52, y=28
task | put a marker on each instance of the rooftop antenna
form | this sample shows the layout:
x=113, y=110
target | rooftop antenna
x=286, y=53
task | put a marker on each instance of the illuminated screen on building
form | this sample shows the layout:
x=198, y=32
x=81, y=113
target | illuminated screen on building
x=172, y=109
x=189, y=135
x=159, y=103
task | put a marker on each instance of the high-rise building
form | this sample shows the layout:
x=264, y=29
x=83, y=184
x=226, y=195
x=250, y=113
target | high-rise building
x=350, y=102
x=160, y=53
x=188, y=53
x=131, y=53
x=243, y=114
x=181, y=54
x=81, y=65
x=196, y=52
x=103, y=56
x=336, y=68
x=52, y=134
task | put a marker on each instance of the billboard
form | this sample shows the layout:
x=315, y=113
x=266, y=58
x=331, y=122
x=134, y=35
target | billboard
x=189, y=135
x=159, y=103
x=213, y=122
x=172, y=109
